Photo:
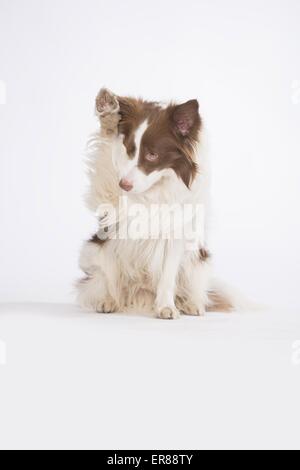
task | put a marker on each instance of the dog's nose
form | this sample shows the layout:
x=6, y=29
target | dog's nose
x=126, y=184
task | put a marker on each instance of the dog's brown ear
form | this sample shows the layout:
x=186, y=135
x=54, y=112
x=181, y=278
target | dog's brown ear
x=186, y=169
x=130, y=108
x=185, y=118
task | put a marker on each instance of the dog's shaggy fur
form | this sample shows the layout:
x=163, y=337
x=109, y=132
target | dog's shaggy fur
x=154, y=155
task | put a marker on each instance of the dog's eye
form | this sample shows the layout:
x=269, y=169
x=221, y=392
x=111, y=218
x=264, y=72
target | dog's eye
x=151, y=157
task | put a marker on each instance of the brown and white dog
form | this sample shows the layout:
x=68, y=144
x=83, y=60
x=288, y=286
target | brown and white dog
x=152, y=154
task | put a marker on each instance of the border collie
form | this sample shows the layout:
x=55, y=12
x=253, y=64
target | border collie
x=147, y=156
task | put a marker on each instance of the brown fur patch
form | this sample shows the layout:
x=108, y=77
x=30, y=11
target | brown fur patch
x=133, y=112
x=98, y=241
x=204, y=255
x=174, y=149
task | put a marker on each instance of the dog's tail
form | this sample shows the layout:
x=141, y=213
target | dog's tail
x=222, y=298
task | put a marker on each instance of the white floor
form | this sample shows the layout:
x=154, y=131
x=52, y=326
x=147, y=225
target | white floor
x=75, y=380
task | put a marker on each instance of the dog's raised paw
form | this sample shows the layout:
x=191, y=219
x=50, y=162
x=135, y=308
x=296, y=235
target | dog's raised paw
x=168, y=313
x=106, y=103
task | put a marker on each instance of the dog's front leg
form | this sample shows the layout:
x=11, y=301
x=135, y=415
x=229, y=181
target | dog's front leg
x=165, y=298
x=107, y=109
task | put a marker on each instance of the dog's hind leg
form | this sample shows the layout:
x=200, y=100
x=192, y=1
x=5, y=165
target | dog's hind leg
x=193, y=285
x=95, y=292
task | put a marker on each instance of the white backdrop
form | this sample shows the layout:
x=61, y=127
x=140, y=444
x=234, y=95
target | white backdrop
x=239, y=58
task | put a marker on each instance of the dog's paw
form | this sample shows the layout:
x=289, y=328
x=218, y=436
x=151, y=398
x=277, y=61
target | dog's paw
x=168, y=313
x=190, y=308
x=106, y=103
x=193, y=310
x=106, y=306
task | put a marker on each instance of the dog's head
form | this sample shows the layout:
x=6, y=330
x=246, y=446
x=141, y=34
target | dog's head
x=159, y=141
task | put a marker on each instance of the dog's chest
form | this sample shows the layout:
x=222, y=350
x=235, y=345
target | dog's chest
x=140, y=260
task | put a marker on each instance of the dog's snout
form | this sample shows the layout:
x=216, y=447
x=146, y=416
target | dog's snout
x=126, y=184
